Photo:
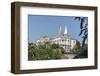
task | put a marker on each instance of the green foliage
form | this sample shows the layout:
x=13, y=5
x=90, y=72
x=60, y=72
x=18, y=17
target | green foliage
x=44, y=51
x=80, y=51
x=83, y=53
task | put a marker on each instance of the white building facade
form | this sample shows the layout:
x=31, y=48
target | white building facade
x=63, y=40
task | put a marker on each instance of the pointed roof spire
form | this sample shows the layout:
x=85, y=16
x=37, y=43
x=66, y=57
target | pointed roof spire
x=65, y=32
x=60, y=31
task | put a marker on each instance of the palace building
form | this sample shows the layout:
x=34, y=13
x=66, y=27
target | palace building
x=63, y=39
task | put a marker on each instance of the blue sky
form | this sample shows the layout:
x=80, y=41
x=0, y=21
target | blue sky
x=39, y=25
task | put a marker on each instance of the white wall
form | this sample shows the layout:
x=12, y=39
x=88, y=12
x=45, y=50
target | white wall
x=5, y=33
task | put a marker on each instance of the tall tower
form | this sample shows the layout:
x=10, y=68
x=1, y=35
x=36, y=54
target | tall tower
x=65, y=32
x=60, y=31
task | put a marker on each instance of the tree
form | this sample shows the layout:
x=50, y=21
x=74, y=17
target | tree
x=83, y=28
x=31, y=50
x=44, y=51
x=83, y=53
x=77, y=48
x=80, y=51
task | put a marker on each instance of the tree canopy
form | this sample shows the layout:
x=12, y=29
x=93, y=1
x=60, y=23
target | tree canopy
x=45, y=51
x=80, y=51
